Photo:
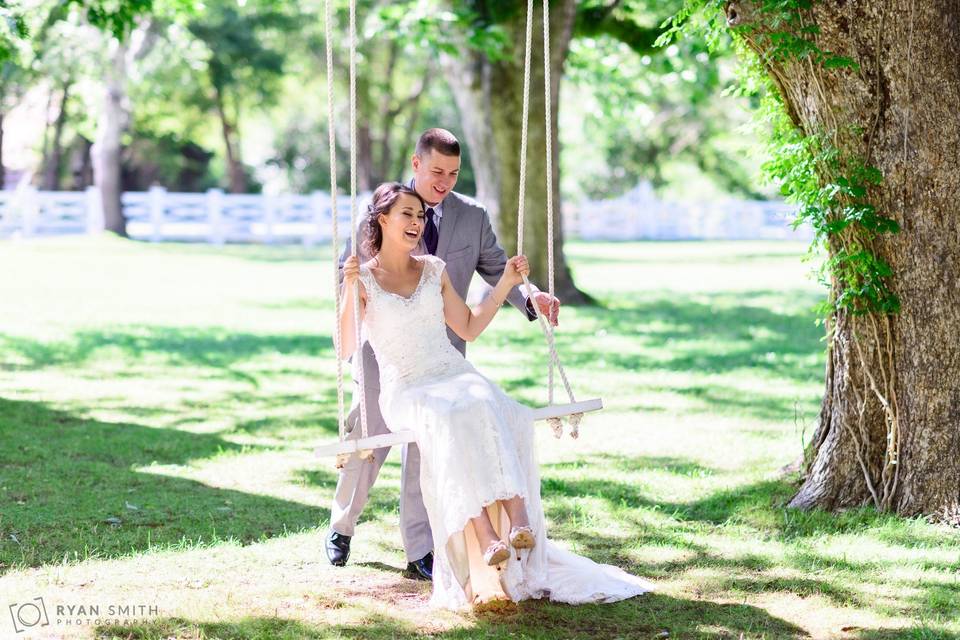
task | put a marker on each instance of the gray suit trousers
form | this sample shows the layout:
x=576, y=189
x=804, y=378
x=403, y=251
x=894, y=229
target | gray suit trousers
x=358, y=476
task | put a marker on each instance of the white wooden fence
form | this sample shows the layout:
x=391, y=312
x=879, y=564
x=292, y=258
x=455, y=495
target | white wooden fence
x=639, y=215
x=158, y=215
x=216, y=217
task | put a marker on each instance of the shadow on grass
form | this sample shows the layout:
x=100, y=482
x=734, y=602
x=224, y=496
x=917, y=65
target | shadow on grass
x=921, y=632
x=667, y=464
x=314, y=412
x=642, y=617
x=178, y=346
x=721, y=335
x=760, y=509
x=277, y=253
x=761, y=504
x=72, y=490
x=715, y=333
x=384, y=497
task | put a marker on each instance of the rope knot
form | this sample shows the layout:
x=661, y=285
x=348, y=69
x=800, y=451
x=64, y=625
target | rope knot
x=574, y=421
x=557, y=426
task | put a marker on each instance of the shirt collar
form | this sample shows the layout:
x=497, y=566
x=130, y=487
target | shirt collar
x=437, y=208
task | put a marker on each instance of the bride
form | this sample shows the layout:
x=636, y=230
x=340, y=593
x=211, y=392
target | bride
x=479, y=473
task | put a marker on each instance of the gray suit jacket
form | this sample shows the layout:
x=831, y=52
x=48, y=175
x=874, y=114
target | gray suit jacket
x=467, y=244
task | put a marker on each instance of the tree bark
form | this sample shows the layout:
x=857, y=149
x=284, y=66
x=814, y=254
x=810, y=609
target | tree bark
x=489, y=96
x=365, y=113
x=228, y=129
x=53, y=163
x=114, y=118
x=3, y=168
x=899, y=111
x=105, y=152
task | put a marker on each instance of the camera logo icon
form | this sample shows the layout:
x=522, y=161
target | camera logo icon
x=30, y=614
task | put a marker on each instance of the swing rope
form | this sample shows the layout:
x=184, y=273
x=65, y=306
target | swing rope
x=548, y=121
x=574, y=419
x=334, y=217
x=358, y=352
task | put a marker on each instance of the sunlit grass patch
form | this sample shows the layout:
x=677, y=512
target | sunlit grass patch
x=157, y=446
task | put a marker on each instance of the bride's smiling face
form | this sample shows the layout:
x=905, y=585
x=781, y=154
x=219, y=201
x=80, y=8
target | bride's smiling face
x=403, y=225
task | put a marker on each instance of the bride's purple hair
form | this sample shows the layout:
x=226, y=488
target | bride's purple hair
x=384, y=197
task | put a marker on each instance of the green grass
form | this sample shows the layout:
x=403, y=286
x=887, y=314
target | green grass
x=159, y=405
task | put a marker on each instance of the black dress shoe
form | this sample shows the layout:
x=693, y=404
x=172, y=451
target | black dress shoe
x=421, y=569
x=338, y=548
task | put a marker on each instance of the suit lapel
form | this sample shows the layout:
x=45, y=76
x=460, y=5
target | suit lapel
x=451, y=213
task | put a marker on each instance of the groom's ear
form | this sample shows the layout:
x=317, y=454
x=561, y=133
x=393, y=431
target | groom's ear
x=415, y=161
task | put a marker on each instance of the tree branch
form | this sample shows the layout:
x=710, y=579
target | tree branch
x=600, y=20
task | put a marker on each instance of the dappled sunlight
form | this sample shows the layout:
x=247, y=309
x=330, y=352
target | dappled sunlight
x=170, y=459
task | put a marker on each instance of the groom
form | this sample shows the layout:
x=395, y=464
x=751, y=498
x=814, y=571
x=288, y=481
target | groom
x=458, y=230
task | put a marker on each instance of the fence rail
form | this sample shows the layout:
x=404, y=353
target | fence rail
x=216, y=217
x=640, y=215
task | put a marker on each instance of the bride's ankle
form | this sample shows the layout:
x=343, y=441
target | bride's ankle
x=520, y=521
x=485, y=539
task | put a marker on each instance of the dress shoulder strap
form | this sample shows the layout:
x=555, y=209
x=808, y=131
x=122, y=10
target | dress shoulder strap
x=435, y=264
x=366, y=277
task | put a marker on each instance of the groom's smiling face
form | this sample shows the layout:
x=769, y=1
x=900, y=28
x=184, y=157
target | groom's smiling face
x=435, y=175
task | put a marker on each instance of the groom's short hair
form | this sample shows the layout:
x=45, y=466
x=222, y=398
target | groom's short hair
x=439, y=140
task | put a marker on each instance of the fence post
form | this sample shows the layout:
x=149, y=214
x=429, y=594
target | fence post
x=94, y=209
x=31, y=210
x=317, y=204
x=269, y=216
x=157, y=194
x=215, y=215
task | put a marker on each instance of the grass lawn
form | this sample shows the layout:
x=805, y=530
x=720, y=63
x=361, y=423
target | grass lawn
x=159, y=405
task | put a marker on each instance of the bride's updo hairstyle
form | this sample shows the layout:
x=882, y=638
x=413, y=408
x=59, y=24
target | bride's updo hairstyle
x=384, y=198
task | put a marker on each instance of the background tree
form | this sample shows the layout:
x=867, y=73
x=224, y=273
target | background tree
x=652, y=108
x=14, y=80
x=656, y=114
x=115, y=117
x=14, y=77
x=487, y=84
x=244, y=64
x=484, y=66
x=393, y=78
x=64, y=52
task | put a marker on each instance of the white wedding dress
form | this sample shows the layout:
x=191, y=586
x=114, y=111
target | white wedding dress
x=476, y=447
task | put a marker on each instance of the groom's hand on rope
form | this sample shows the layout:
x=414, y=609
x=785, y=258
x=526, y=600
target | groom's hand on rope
x=351, y=271
x=549, y=306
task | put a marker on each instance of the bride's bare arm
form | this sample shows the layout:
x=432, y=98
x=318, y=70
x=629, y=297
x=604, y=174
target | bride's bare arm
x=469, y=323
x=348, y=332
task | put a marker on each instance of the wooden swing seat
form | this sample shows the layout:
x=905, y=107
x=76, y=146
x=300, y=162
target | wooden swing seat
x=405, y=436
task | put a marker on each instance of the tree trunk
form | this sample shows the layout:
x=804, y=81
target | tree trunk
x=106, y=150
x=235, y=174
x=3, y=169
x=366, y=114
x=381, y=165
x=45, y=143
x=489, y=96
x=81, y=165
x=54, y=161
x=899, y=111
